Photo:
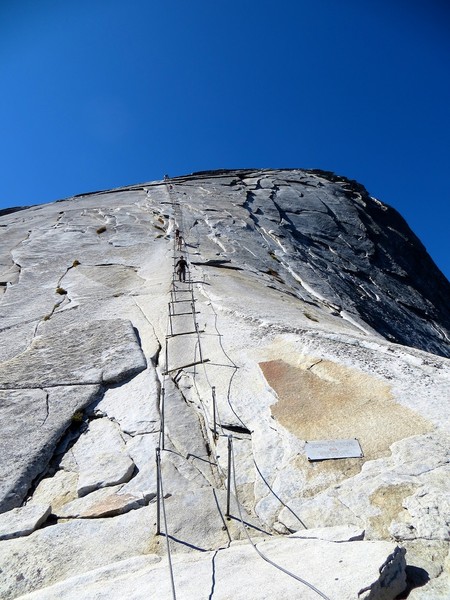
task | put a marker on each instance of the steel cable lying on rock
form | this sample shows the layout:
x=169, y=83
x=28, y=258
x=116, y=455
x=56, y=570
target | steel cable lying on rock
x=263, y=556
x=166, y=533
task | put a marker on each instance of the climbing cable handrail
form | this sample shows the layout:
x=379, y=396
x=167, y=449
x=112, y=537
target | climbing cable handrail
x=166, y=532
x=263, y=556
x=198, y=350
x=230, y=383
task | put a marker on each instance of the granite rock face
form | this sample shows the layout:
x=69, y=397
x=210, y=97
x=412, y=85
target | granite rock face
x=310, y=312
x=325, y=239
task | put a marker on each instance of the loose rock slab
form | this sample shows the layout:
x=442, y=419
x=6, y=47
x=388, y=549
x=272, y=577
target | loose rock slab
x=34, y=417
x=56, y=490
x=105, y=502
x=55, y=553
x=33, y=422
x=22, y=521
x=134, y=405
x=101, y=457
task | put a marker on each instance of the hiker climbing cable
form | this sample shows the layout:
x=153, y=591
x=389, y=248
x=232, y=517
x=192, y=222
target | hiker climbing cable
x=180, y=267
x=180, y=242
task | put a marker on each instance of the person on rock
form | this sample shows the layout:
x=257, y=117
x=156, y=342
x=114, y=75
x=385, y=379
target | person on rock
x=181, y=266
x=180, y=242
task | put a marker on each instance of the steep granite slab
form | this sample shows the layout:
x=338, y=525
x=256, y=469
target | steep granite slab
x=40, y=391
x=324, y=238
x=89, y=353
x=365, y=570
x=55, y=553
x=184, y=428
x=101, y=457
x=286, y=266
x=22, y=521
x=33, y=421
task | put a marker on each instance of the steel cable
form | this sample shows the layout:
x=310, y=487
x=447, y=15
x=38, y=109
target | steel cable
x=166, y=533
x=198, y=348
x=230, y=383
x=263, y=556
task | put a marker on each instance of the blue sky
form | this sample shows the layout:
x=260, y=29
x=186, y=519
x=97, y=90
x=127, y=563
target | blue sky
x=97, y=94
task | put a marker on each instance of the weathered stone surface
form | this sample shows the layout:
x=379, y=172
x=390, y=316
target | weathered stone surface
x=335, y=245
x=185, y=430
x=300, y=282
x=110, y=468
x=142, y=450
x=428, y=513
x=179, y=475
x=197, y=520
x=133, y=406
x=353, y=569
x=55, y=553
x=340, y=533
x=22, y=521
x=57, y=490
x=428, y=568
x=15, y=340
x=33, y=422
x=96, y=352
x=102, y=281
x=438, y=588
x=101, y=457
x=105, y=502
x=376, y=498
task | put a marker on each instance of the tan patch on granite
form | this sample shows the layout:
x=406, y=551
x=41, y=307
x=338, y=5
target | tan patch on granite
x=389, y=500
x=57, y=490
x=110, y=507
x=320, y=400
x=329, y=401
x=321, y=474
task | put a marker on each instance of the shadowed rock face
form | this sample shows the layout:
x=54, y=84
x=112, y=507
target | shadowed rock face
x=325, y=239
x=298, y=282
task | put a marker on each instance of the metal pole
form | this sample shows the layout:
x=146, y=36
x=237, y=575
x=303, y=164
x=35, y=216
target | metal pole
x=167, y=356
x=158, y=492
x=162, y=418
x=170, y=320
x=197, y=331
x=230, y=441
x=214, y=412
